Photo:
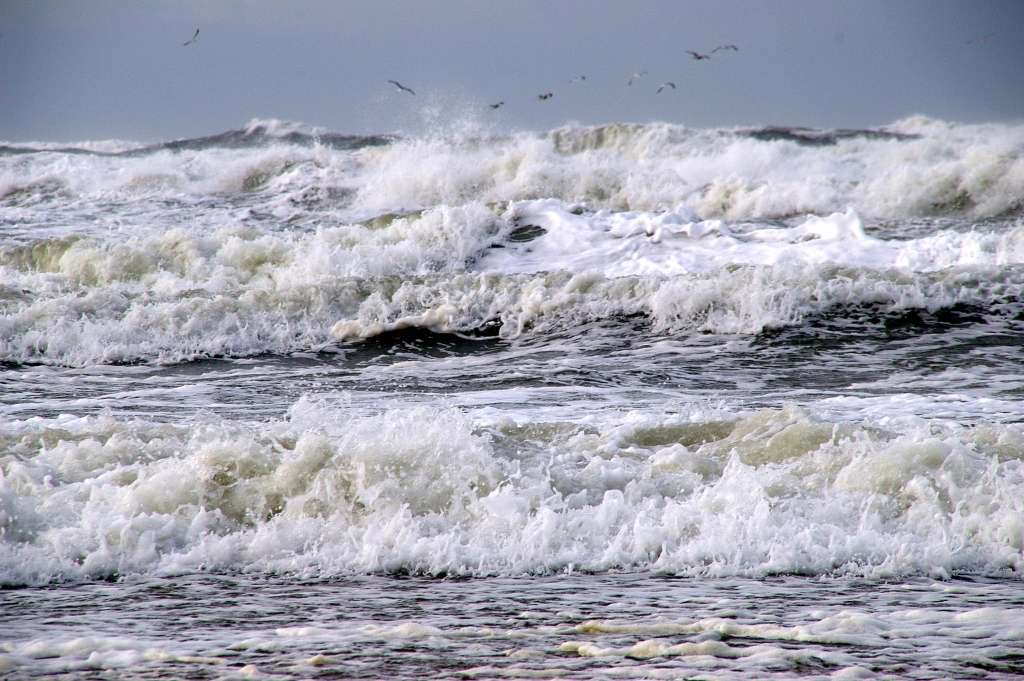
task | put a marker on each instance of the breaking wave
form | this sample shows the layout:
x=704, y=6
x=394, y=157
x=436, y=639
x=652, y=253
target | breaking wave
x=522, y=270
x=435, y=491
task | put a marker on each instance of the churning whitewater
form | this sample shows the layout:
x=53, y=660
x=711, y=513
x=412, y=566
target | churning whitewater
x=646, y=348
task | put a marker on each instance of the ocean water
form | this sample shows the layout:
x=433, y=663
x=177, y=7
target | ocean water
x=629, y=401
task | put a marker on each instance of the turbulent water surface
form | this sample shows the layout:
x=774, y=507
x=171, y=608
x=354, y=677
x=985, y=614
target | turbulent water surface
x=633, y=401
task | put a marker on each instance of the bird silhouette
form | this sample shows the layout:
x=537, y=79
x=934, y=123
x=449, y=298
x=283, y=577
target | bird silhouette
x=494, y=106
x=548, y=95
x=665, y=85
x=725, y=47
x=578, y=79
x=635, y=76
x=697, y=56
x=196, y=35
x=982, y=39
x=402, y=87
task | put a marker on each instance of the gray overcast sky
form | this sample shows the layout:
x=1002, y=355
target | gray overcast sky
x=98, y=69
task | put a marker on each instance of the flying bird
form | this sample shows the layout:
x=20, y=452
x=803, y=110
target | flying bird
x=665, y=85
x=982, y=39
x=635, y=76
x=725, y=47
x=549, y=95
x=494, y=106
x=196, y=35
x=579, y=79
x=402, y=87
x=697, y=56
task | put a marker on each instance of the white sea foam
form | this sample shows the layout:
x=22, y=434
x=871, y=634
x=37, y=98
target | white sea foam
x=90, y=653
x=676, y=242
x=429, y=490
x=995, y=626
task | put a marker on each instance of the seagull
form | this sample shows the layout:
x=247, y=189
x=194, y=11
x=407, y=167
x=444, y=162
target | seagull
x=635, y=76
x=192, y=40
x=494, y=106
x=546, y=96
x=725, y=47
x=665, y=85
x=982, y=39
x=698, y=57
x=580, y=79
x=402, y=87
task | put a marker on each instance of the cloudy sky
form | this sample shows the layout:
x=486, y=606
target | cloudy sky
x=98, y=69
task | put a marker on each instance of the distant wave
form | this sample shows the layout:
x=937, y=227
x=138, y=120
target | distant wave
x=256, y=134
x=915, y=167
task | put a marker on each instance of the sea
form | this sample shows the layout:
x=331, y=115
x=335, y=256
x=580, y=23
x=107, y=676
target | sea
x=597, y=402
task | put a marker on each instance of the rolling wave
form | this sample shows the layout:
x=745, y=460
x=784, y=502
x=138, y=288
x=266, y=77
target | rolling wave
x=435, y=491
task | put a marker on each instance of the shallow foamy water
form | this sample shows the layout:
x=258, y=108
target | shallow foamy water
x=570, y=626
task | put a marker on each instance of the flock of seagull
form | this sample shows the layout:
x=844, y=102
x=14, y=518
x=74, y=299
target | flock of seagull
x=579, y=79
x=697, y=56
